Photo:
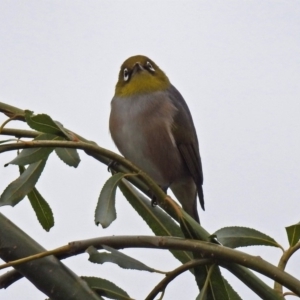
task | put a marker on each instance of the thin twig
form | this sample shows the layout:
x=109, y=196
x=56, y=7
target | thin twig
x=91, y=147
x=16, y=262
x=20, y=133
x=161, y=286
x=283, y=262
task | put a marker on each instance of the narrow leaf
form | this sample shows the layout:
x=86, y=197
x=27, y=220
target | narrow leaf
x=293, y=233
x=234, y=237
x=20, y=187
x=43, y=123
x=157, y=220
x=122, y=260
x=219, y=288
x=106, y=288
x=232, y=294
x=31, y=155
x=162, y=224
x=105, y=212
x=205, y=277
x=42, y=209
x=69, y=156
x=68, y=134
x=40, y=206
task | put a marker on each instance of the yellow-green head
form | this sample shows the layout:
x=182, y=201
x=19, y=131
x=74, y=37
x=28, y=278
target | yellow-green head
x=140, y=75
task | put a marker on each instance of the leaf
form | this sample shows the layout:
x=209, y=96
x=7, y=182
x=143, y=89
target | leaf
x=157, y=220
x=219, y=288
x=69, y=156
x=105, y=212
x=234, y=237
x=68, y=134
x=232, y=294
x=106, y=288
x=122, y=260
x=216, y=286
x=293, y=233
x=44, y=123
x=162, y=224
x=40, y=206
x=42, y=209
x=20, y=187
x=31, y=155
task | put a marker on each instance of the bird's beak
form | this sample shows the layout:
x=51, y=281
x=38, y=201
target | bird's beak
x=137, y=68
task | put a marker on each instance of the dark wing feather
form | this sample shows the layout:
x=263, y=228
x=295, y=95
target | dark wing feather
x=193, y=163
x=187, y=143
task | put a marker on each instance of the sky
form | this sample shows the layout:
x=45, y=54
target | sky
x=237, y=65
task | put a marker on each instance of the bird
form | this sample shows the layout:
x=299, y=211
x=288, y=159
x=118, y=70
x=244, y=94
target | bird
x=151, y=125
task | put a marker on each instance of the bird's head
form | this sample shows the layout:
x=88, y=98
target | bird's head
x=140, y=75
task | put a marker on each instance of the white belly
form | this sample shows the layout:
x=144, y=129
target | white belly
x=141, y=129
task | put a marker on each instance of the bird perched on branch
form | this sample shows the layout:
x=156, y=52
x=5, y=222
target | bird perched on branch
x=152, y=127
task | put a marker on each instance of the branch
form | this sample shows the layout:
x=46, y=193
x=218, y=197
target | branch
x=91, y=148
x=19, y=133
x=164, y=201
x=14, y=243
x=208, y=250
x=161, y=286
x=220, y=254
x=12, y=111
x=283, y=262
x=242, y=273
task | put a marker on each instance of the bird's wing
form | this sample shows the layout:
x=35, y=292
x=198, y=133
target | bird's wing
x=193, y=163
x=187, y=141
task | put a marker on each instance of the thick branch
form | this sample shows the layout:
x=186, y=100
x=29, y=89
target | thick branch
x=14, y=244
x=207, y=250
x=220, y=254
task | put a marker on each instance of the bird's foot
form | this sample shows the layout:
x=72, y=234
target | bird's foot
x=111, y=165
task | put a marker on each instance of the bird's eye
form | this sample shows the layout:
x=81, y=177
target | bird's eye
x=126, y=74
x=149, y=66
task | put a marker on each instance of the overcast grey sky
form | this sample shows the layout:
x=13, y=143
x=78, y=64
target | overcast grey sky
x=237, y=64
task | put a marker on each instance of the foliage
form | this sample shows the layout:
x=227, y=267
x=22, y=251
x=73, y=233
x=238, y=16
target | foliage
x=198, y=251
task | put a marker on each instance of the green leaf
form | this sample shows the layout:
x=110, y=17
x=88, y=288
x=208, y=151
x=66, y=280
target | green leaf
x=31, y=155
x=232, y=294
x=40, y=206
x=218, y=287
x=157, y=220
x=162, y=224
x=20, y=187
x=293, y=233
x=105, y=212
x=234, y=237
x=106, y=288
x=122, y=260
x=44, y=123
x=69, y=156
x=215, y=282
x=42, y=209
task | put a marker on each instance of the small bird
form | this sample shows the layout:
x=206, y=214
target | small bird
x=151, y=125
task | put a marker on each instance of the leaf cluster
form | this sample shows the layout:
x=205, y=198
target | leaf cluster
x=198, y=251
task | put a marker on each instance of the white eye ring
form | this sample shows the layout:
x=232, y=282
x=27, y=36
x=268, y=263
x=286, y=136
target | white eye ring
x=148, y=64
x=126, y=74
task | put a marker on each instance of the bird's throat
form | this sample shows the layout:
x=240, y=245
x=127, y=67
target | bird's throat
x=143, y=83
